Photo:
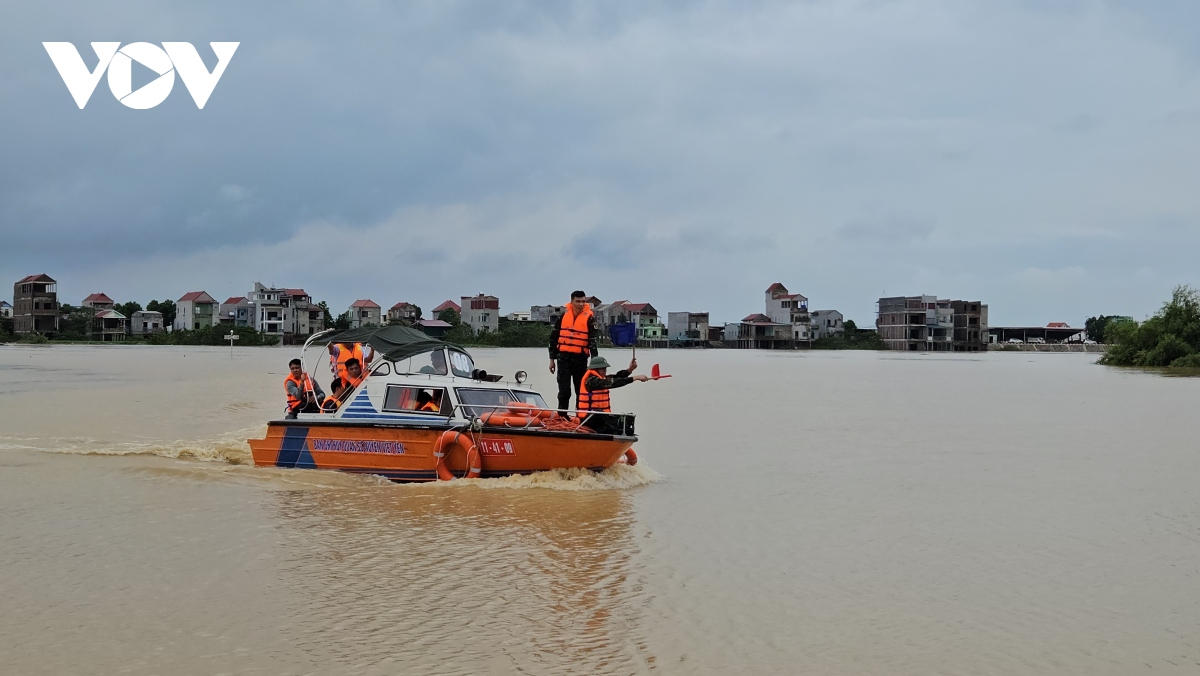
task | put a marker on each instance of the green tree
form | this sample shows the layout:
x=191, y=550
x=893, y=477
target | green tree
x=450, y=316
x=129, y=308
x=74, y=322
x=166, y=307
x=342, y=322
x=1170, y=338
x=328, y=318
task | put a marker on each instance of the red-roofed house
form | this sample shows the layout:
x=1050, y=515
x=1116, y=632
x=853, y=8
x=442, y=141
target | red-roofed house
x=364, y=312
x=237, y=311
x=403, y=313
x=762, y=332
x=1058, y=325
x=98, y=301
x=448, y=305
x=35, y=305
x=196, y=310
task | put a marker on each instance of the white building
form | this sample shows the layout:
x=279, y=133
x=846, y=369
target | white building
x=789, y=308
x=826, y=323
x=194, y=311
x=268, y=312
x=481, y=312
x=5, y=309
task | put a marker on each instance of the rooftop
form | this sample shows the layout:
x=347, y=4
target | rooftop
x=367, y=303
x=198, y=297
x=98, y=298
x=43, y=277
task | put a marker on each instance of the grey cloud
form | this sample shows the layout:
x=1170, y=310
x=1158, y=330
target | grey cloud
x=891, y=229
x=737, y=131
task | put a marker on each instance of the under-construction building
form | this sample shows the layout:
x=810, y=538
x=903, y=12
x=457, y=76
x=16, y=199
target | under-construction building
x=930, y=324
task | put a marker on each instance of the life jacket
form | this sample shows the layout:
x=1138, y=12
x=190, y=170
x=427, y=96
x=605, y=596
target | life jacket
x=429, y=406
x=305, y=385
x=330, y=405
x=573, y=331
x=345, y=353
x=591, y=400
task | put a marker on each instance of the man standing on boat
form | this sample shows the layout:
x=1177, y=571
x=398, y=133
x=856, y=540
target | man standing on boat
x=572, y=343
x=593, y=398
x=304, y=395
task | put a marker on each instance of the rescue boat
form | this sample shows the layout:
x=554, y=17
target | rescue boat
x=424, y=412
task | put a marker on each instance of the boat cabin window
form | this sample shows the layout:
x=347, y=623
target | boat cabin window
x=477, y=402
x=432, y=363
x=530, y=398
x=461, y=363
x=405, y=399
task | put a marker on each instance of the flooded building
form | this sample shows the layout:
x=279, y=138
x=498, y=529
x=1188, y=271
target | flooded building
x=109, y=326
x=546, y=314
x=481, y=312
x=196, y=310
x=687, y=328
x=827, y=323
x=930, y=324
x=146, y=322
x=35, y=305
x=791, y=309
x=237, y=311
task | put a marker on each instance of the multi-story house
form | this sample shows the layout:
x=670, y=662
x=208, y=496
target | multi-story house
x=930, y=324
x=35, y=305
x=196, y=310
x=105, y=319
x=826, y=323
x=687, y=327
x=145, y=322
x=268, y=309
x=365, y=312
x=403, y=313
x=237, y=311
x=300, y=316
x=481, y=312
x=791, y=309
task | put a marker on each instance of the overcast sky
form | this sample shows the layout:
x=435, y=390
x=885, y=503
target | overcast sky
x=688, y=154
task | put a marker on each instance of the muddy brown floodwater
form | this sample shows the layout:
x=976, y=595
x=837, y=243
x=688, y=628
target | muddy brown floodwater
x=794, y=512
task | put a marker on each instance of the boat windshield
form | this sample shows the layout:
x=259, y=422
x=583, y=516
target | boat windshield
x=530, y=398
x=461, y=363
x=432, y=363
x=477, y=402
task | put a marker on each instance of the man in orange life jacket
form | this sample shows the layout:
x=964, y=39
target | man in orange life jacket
x=572, y=342
x=340, y=353
x=594, y=397
x=304, y=395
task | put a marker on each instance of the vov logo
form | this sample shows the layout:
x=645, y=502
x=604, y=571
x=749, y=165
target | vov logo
x=172, y=57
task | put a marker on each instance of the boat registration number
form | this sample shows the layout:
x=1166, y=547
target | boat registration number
x=496, y=447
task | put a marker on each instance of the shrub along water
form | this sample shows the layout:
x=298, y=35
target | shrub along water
x=213, y=335
x=1170, y=338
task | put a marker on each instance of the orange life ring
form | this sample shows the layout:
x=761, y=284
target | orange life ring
x=502, y=419
x=521, y=408
x=630, y=458
x=463, y=441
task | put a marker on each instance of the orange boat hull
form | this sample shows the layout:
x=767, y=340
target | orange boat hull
x=407, y=453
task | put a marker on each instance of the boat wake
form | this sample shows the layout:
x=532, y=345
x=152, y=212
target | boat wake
x=229, y=448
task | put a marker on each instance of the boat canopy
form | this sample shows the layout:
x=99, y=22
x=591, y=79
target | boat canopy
x=393, y=342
